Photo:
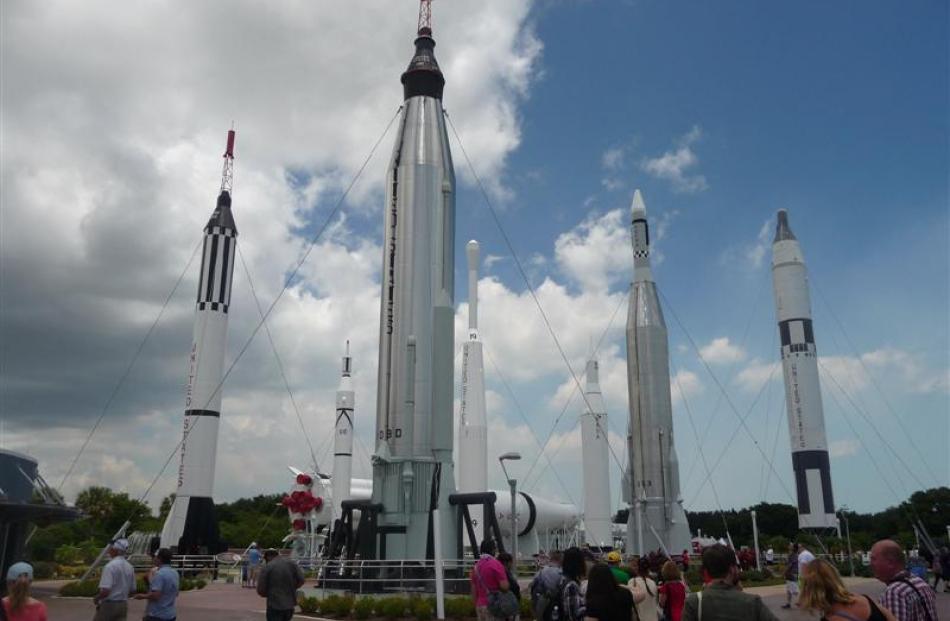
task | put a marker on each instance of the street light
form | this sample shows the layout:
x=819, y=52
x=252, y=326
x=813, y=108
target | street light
x=514, y=520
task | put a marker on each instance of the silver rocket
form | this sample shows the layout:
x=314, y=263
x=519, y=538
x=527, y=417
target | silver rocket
x=656, y=519
x=473, y=431
x=412, y=465
x=595, y=453
x=343, y=436
x=806, y=419
x=191, y=526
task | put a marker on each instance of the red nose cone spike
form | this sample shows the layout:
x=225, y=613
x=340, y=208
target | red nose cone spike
x=229, y=152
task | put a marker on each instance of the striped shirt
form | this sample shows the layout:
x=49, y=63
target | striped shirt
x=910, y=598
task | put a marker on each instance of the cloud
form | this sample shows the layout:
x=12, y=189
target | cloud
x=613, y=163
x=844, y=448
x=720, y=350
x=675, y=165
x=756, y=252
x=684, y=385
x=597, y=252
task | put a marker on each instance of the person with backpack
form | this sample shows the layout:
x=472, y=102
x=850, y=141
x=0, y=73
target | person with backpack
x=645, y=596
x=545, y=586
x=489, y=580
x=508, y=562
x=672, y=592
x=571, y=602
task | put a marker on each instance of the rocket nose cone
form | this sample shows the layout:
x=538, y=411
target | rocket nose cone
x=472, y=251
x=782, y=229
x=637, y=207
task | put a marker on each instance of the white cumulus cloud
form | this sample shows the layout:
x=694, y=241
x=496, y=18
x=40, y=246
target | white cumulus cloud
x=676, y=165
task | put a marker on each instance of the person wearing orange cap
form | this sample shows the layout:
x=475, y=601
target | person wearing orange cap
x=613, y=561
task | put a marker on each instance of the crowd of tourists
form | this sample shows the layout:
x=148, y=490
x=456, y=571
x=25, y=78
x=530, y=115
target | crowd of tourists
x=574, y=586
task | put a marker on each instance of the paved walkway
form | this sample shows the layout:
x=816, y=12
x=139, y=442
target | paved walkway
x=229, y=602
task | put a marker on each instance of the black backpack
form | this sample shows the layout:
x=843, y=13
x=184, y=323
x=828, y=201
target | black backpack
x=550, y=603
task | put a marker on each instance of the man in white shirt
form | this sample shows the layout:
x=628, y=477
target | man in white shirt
x=115, y=585
x=804, y=557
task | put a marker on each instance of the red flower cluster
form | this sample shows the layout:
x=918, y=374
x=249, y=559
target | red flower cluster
x=302, y=502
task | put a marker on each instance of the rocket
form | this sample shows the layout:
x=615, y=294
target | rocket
x=412, y=464
x=473, y=432
x=191, y=526
x=343, y=436
x=657, y=520
x=595, y=452
x=806, y=419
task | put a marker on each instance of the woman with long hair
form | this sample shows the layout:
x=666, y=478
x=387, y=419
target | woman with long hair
x=18, y=605
x=645, y=594
x=672, y=592
x=824, y=592
x=605, y=599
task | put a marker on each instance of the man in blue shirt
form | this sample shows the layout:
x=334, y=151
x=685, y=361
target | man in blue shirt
x=254, y=558
x=162, y=589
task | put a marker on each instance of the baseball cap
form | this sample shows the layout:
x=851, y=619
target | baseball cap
x=613, y=557
x=122, y=545
x=19, y=569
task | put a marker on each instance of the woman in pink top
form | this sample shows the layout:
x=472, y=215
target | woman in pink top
x=19, y=606
x=487, y=575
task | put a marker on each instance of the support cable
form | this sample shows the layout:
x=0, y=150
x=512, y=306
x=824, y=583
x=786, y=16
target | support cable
x=732, y=406
x=922, y=455
x=778, y=429
x=524, y=418
x=280, y=364
x=128, y=369
x=702, y=454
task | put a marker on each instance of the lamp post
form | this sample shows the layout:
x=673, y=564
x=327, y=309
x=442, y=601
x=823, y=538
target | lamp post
x=513, y=484
x=847, y=532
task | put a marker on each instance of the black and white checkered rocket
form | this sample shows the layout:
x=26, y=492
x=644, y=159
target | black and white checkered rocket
x=191, y=526
x=806, y=419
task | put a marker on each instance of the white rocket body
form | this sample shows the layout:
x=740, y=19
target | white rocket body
x=806, y=419
x=595, y=450
x=343, y=437
x=657, y=519
x=413, y=461
x=191, y=525
x=472, y=461
x=542, y=524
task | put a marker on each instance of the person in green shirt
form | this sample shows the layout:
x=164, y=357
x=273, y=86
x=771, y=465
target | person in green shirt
x=613, y=561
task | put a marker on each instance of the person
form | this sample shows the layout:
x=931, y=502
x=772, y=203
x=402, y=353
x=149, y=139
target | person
x=508, y=562
x=278, y=582
x=162, y=589
x=546, y=585
x=672, y=592
x=116, y=585
x=18, y=605
x=253, y=564
x=942, y=561
x=770, y=557
x=620, y=574
x=804, y=557
x=722, y=599
x=605, y=599
x=791, y=576
x=574, y=568
x=684, y=559
x=645, y=596
x=488, y=575
x=824, y=592
x=907, y=596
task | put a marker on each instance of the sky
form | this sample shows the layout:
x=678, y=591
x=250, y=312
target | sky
x=114, y=118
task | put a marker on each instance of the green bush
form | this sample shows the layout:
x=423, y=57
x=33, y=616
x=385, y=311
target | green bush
x=364, y=608
x=392, y=607
x=423, y=609
x=43, y=570
x=525, y=605
x=309, y=604
x=336, y=605
x=67, y=555
x=201, y=583
x=459, y=607
x=87, y=588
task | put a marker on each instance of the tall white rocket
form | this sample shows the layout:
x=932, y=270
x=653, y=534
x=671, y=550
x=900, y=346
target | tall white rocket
x=806, y=419
x=191, y=526
x=657, y=519
x=343, y=436
x=413, y=461
x=472, y=462
x=595, y=451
